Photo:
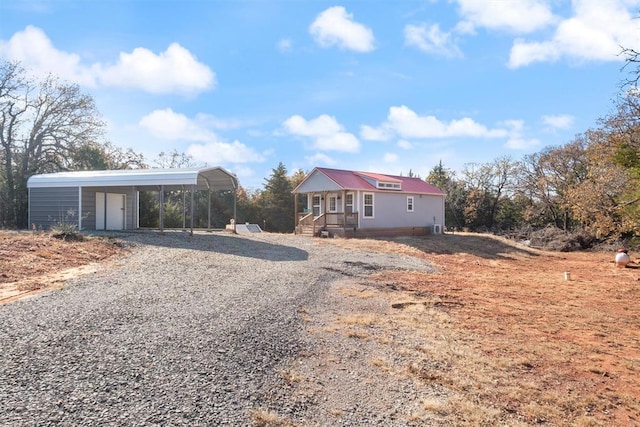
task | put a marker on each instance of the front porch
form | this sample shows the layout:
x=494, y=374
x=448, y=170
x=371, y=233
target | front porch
x=327, y=224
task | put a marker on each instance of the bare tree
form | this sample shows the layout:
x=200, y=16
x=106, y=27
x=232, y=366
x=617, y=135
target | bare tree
x=174, y=159
x=42, y=125
x=546, y=177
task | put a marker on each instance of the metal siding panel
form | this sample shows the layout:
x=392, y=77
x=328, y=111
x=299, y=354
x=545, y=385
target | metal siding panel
x=390, y=210
x=89, y=208
x=49, y=206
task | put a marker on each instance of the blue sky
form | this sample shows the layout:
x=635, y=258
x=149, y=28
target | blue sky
x=371, y=85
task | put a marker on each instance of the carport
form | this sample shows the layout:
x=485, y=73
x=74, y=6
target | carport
x=109, y=200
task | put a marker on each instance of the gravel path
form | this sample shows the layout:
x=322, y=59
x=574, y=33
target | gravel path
x=187, y=330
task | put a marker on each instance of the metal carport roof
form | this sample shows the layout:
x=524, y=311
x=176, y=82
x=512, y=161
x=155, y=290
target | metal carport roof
x=213, y=178
x=208, y=179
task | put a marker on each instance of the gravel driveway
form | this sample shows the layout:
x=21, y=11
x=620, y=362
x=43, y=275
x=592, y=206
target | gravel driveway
x=187, y=330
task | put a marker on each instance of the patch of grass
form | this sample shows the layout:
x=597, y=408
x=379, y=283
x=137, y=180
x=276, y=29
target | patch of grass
x=360, y=319
x=264, y=418
x=291, y=377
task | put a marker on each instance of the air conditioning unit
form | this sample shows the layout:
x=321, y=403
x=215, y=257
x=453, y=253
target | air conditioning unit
x=437, y=228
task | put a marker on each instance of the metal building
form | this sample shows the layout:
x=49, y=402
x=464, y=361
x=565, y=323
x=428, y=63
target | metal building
x=109, y=200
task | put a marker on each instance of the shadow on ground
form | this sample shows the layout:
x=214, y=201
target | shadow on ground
x=481, y=245
x=216, y=242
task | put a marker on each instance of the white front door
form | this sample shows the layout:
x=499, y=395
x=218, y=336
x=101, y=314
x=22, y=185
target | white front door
x=115, y=211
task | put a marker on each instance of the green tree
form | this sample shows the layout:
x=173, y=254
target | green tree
x=105, y=156
x=277, y=199
x=455, y=199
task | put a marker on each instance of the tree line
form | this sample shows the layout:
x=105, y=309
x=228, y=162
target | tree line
x=591, y=183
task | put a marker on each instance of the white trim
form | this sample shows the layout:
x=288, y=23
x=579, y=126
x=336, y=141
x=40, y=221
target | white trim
x=364, y=205
x=79, y=208
x=203, y=178
x=333, y=197
x=413, y=204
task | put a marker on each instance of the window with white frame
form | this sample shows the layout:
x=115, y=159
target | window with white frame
x=368, y=205
x=333, y=204
x=409, y=203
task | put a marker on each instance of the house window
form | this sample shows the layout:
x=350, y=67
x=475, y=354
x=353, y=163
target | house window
x=409, y=203
x=389, y=185
x=348, y=203
x=333, y=204
x=368, y=205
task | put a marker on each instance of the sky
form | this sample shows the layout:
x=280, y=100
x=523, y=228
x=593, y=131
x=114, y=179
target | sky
x=369, y=85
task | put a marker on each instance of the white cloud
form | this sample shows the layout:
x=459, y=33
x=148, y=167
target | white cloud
x=208, y=147
x=325, y=132
x=390, y=158
x=36, y=52
x=175, y=70
x=519, y=17
x=430, y=39
x=375, y=134
x=285, y=45
x=404, y=144
x=407, y=124
x=516, y=140
x=320, y=159
x=323, y=125
x=517, y=143
x=563, y=121
x=167, y=124
x=218, y=152
x=335, y=27
x=596, y=32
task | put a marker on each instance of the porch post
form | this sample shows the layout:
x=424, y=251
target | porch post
x=344, y=210
x=295, y=212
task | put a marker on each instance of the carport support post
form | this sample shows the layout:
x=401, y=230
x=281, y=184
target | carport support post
x=105, y=209
x=209, y=211
x=184, y=210
x=161, y=199
x=193, y=190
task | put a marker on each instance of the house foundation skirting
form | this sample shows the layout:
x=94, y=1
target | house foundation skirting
x=378, y=232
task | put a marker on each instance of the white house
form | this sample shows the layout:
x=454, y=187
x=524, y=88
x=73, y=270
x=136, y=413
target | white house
x=350, y=203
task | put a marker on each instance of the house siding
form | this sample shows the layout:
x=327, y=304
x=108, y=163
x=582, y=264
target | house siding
x=50, y=206
x=390, y=210
x=318, y=183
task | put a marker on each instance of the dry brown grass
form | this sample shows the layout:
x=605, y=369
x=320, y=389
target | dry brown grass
x=511, y=341
x=34, y=261
x=265, y=418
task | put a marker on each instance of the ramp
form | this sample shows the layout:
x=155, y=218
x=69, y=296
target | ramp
x=248, y=228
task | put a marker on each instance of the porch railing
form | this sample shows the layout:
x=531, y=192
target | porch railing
x=327, y=220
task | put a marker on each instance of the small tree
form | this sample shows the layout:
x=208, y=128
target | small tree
x=278, y=201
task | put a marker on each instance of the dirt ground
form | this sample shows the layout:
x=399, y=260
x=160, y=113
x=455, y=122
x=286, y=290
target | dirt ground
x=31, y=262
x=510, y=338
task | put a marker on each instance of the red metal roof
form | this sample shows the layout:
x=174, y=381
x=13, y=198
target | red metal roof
x=353, y=180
